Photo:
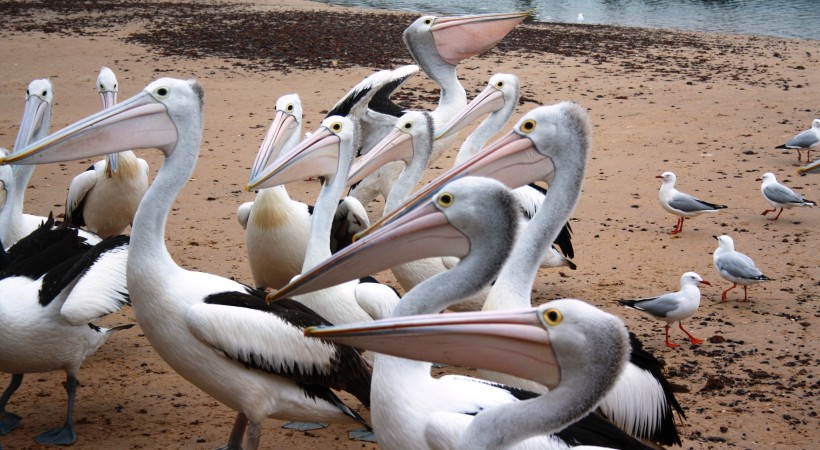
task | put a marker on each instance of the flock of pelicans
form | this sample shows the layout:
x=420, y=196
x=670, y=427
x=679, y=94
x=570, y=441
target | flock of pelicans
x=560, y=375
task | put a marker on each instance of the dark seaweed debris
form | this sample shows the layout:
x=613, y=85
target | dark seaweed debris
x=283, y=40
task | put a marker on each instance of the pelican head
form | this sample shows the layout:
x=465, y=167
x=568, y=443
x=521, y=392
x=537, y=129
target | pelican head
x=284, y=131
x=501, y=93
x=36, y=114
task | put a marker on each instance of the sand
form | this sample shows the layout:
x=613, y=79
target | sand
x=709, y=107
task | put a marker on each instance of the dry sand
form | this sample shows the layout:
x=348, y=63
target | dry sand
x=709, y=107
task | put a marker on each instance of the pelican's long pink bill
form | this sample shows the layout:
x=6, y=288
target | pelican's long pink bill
x=315, y=156
x=139, y=122
x=458, y=38
x=280, y=131
x=515, y=342
x=489, y=100
x=33, y=115
x=421, y=233
x=396, y=146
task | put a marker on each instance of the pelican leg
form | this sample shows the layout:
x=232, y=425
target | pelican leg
x=669, y=344
x=254, y=436
x=238, y=430
x=9, y=420
x=66, y=434
x=692, y=339
x=723, y=297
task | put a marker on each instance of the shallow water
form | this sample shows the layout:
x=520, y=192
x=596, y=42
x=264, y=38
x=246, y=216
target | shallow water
x=783, y=18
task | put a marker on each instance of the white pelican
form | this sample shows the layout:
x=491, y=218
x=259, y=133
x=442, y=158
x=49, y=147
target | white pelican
x=276, y=227
x=328, y=153
x=550, y=144
x=681, y=204
x=215, y=332
x=805, y=139
x=475, y=219
x=810, y=168
x=673, y=306
x=735, y=266
x=780, y=196
x=53, y=287
x=14, y=224
x=438, y=44
x=105, y=197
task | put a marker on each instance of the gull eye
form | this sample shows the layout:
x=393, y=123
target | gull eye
x=289, y=108
x=445, y=200
x=499, y=84
x=162, y=92
x=528, y=126
x=336, y=127
x=552, y=316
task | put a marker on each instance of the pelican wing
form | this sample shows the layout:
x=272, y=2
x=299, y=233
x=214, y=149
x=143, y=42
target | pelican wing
x=80, y=186
x=100, y=286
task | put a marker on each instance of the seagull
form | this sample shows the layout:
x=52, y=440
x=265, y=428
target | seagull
x=735, y=266
x=673, y=306
x=810, y=168
x=105, y=197
x=805, y=139
x=780, y=196
x=681, y=204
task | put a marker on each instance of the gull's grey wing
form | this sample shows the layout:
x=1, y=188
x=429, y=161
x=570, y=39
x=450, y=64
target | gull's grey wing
x=659, y=306
x=781, y=194
x=687, y=203
x=804, y=139
x=738, y=265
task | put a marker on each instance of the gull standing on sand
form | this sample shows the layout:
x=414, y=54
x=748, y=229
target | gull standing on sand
x=673, y=306
x=735, y=266
x=780, y=196
x=681, y=204
x=805, y=139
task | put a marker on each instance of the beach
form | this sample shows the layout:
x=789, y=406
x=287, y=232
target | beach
x=709, y=107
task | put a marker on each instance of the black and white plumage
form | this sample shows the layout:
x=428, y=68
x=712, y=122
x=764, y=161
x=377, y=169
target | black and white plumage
x=673, y=306
x=104, y=198
x=681, y=204
x=209, y=329
x=472, y=218
x=805, y=140
x=53, y=287
x=735, y=267
x=780, y=196
x=438, y=44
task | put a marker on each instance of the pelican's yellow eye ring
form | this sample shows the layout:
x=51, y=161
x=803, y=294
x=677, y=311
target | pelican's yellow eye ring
x=289, y=108
x=528, y=126
x=445, y=200
x=408, y=126
x=499, y=84
x=336, y=127
x=553, y=317
x=162, y=92
x=428, y=21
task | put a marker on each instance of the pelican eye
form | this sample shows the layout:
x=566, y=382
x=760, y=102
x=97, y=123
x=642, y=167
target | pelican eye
x=528, y=126
x=499, y=84
x=102, y=88
x=552, y=316
x=408, y=126
x=445, y=200
x=428, y=21
x=289, y=108
x=115, y=87
x=336, y=127
x=162, y=92
x=27, y=92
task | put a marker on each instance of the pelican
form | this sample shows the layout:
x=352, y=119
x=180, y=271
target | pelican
x=105, y=197
x=673, y=307
x=550, y=143
x=438, y=44
x=14, y=224
x=681, y=204
x=328, y=153
x=805, y=139
x=574, y=348
x=780, y=196
x=54, y=286
x=474, y=219
x=810, y=168
x=735, y=267
x=215, y=332
x=276, y=227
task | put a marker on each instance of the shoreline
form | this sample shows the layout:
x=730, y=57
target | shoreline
x=709, y=107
